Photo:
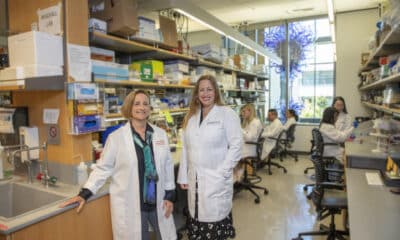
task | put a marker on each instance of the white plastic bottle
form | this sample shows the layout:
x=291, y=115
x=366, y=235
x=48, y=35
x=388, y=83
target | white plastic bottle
x=82, y=173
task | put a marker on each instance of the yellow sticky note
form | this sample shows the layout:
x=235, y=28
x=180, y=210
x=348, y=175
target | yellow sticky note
x=168, y=116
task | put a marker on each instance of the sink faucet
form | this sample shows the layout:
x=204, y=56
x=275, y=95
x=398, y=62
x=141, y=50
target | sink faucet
x=25, y=148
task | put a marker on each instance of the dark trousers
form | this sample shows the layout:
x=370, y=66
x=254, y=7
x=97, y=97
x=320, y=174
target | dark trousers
x=150, y=218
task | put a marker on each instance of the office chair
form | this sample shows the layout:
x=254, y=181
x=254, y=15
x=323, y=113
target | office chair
x=288, y=141
x=277, y=151
x=312, y=167
x=328, y=198
x=318, y=146
x=248, y=183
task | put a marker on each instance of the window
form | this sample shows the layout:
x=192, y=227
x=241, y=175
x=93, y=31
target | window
x=310, y=85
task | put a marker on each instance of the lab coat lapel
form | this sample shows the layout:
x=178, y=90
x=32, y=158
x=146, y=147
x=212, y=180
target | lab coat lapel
x=129, y=141
x=156, y=150
x=209, y=116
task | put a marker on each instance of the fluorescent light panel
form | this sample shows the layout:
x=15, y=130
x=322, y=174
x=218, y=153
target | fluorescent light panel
x=199, y=21
x=203, y=17
x=333, y=33
x=331, y=13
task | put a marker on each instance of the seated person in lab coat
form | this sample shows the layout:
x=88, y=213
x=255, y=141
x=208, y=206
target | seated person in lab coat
x=344, y=120
x=273, y=130
x=142, y=189
x=251, y=129
x=291, y=118
x=331, y=134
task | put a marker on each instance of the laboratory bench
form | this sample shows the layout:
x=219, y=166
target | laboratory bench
x=63, y=223
x=374, y=212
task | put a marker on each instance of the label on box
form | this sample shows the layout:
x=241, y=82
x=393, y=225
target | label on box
x=50, y=19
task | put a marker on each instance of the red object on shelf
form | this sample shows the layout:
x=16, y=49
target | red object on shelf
x=383, y=60
x=39, y=176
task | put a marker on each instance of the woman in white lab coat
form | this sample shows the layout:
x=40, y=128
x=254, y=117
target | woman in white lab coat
x=212, y=142
x=251, y=129
x=344, y=120
x=331, y=134
x=138, y=160
x=273, y=130
x=291, y=118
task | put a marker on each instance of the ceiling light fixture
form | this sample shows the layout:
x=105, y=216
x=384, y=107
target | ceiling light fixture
x=201, y=16
x=331, y=13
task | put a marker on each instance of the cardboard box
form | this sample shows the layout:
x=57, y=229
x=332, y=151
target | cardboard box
x=30, y=71
x=102, y=54
x=209, y=52
x=120, y=15
x=109, y=70
x=147, y=29
x=176, y=66
x=168, y=31
x=97, y=25
x=35, y=48
x=148, y=69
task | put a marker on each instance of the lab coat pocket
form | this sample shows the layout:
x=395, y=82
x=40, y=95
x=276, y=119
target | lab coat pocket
x=214, y=131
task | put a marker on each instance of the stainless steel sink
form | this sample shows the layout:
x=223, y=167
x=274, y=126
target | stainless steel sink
x=17, y=199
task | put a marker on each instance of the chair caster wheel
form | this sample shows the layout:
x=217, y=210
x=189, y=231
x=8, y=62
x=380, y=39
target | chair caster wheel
x=270, y=173
x=305, y=171
x=257, y=200
x=296, y=159
x=284, y=171
x=305, y=188
x=265, y=192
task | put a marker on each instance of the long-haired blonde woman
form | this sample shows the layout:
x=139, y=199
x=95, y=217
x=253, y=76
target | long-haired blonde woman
x=251, y=129
x=212, y=142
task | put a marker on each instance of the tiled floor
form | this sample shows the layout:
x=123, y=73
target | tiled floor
x=282, y=213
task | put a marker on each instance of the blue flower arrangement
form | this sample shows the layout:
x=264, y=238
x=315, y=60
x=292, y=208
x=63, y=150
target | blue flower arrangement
x=300, y=39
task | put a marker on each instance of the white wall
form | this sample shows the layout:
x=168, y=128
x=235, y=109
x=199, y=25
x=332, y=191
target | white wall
x=303, y=138
x=353, y=31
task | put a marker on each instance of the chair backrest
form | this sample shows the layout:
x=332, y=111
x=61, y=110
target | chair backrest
x=260, y=144
x=318, y=143
x=279, y=142
x=290, y=133
x=320, y=175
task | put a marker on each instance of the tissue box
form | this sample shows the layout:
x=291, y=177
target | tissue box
x=97, y=25
x=147, y=29
x=109, y=70
x=176, y=66
x=85, y=124
x=148, y=69
x=83, y=91
x=102, y=54
x=30, y=71
x=35, y=48
x=209, y=51
x=205, y=71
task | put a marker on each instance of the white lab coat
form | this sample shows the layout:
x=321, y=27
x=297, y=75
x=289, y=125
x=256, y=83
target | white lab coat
x=119, y=161
x=331, y=134
x=289, y=122
x=272, y=130
x=250, y=134
x=343, y=122
x=210, y=152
